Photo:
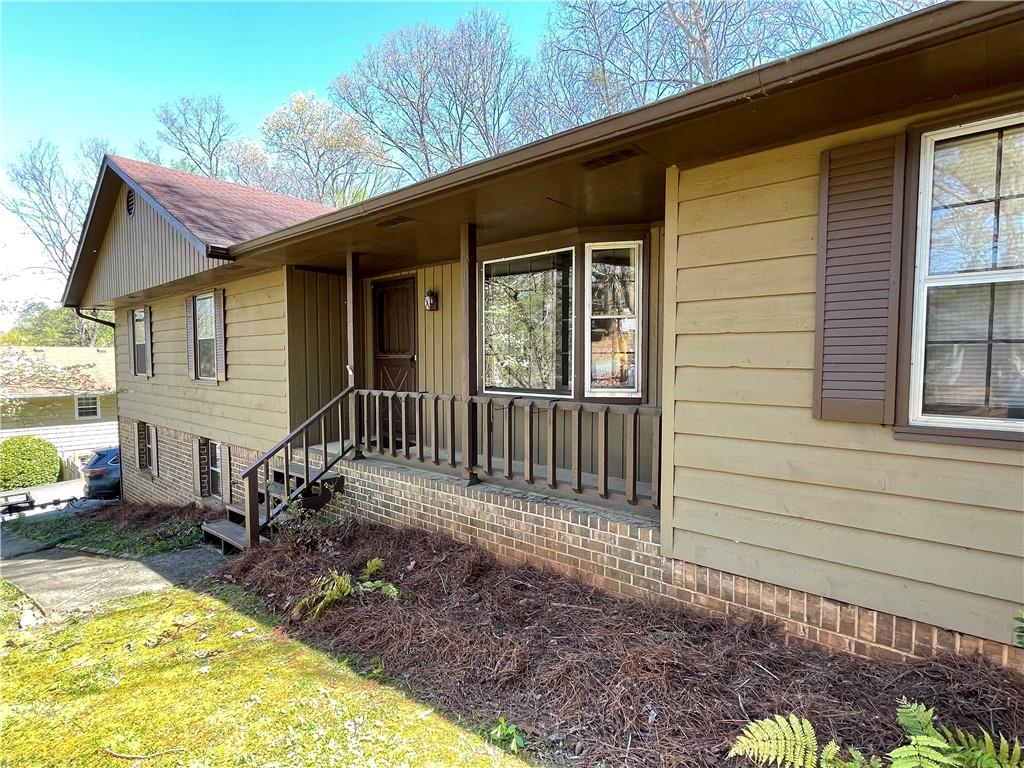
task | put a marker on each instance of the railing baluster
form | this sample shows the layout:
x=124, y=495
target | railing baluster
x=367, y=422
x=656, y=461
x=452, y=413
x=267, y=500
x=323, y=440
x=552, y=444
x=419, y=427
x=487, y=428
x=435, y=427
x=509, y=427
x=528, y=441
x=632, y=419
x=602, y=451
x=288, y=463
x=341, y=428
x=404, y=399
x=252, y=507
x=577, y=448
x=391, y=424
x=380, y=424
x=305, y=457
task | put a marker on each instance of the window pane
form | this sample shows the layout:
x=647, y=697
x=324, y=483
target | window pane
x=139, y=321
x=962, y=239
x=1007, y=387
x=204, y=317
x=958, y=313
x=214, y=449
x=1012, y=177
x=140, y=358
x=965, y=169
x=1011, y=233
x=1008, y=317
x=206, y=363
x=954, y=379
x=613, y=281
x=613, y=354
x=527, y=330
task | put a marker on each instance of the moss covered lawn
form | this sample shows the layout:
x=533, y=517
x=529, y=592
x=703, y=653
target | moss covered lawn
x=204, y=678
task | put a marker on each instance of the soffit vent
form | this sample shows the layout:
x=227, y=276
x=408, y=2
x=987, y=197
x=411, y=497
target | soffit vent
x=611, y=158
x=129, y=202
x=394, y=221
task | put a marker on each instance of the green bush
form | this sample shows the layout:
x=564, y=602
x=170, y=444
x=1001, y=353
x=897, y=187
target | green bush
x=27, y=460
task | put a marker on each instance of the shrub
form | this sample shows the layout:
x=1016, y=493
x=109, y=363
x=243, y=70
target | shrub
x=27, y=460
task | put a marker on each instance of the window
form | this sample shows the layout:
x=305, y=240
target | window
x=214, y=458
x=147, y=447
x=528, y=323
x=140, y=343
x=87, y=407
x=206, y=341
x=967, y=358
x=613, y=319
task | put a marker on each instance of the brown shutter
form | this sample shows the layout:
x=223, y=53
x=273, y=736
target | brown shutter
x=859, y=235
x=197, y=469
x=131, y=340
x=154, y=460
x=140, y=444
x=218, y=332
x=190, y=335
x=225, y=470
x=148, y=321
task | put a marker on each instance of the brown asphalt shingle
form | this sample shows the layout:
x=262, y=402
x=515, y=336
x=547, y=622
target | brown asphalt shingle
x=217, y=212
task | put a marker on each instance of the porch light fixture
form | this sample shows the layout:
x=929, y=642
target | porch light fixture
x=430, y=301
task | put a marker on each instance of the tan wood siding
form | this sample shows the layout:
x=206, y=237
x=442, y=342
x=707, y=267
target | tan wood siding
x=930, y=531
x=316, y=340
x=140, y=252
x=249, y=409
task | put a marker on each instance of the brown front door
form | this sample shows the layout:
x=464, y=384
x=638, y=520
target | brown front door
x=394, y=335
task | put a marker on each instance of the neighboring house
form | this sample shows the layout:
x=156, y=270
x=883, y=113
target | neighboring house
x=65, y=395
x=757, y=348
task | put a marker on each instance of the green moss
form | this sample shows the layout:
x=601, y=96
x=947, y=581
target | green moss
x=100, y=534
x=11, y=600
x=207, y=674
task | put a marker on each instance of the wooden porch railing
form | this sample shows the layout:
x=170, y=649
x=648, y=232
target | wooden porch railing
x=601, y=449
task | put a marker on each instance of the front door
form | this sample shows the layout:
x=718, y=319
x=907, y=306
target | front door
x=394, y=335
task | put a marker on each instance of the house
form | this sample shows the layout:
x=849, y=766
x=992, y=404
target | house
x=756, y=348
x=66, y=395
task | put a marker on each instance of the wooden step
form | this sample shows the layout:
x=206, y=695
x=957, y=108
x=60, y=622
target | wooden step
x=236, y=514
x=230, y=536
x=295, y=469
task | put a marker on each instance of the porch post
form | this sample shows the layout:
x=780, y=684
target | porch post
x=353, y=307
x=467, y=262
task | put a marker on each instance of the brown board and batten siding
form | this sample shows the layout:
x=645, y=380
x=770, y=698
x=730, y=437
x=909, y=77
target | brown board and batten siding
x=139, y=252
x=250, y=408
x=761, y=488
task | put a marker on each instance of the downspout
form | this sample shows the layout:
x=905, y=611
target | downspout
x=101, y=321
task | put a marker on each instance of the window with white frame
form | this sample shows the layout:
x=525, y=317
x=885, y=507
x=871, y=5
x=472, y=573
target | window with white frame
x=87, y=407
x=206, y=343
x=967, y=360
x=140, y=342
x=613, y=318
x=215, y=475
x=528, y=323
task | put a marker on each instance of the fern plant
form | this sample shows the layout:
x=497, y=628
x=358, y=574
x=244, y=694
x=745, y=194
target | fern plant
x=335, y=587
x=1018, y=632
x=792, y=743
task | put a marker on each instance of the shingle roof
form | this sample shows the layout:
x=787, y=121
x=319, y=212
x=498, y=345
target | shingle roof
x=55, y=371
x=217, y=212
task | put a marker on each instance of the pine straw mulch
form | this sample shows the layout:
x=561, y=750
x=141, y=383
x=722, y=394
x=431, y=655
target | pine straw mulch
x=135, y=517
x=592, y=679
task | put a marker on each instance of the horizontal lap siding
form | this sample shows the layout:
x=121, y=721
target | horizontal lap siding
x=140, y=252
x=924, y=530
x=54, y=411
x=250, y=409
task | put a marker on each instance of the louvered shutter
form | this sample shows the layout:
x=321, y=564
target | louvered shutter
x=148, y=322
x=131, y=340
x=859, y=237
x=140, y=444
x=197, y=469
x=154, y=459
x=218, y=332
x=190, y=335
x=225, y=469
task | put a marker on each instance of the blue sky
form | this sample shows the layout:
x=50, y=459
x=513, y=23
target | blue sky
x=73, y=70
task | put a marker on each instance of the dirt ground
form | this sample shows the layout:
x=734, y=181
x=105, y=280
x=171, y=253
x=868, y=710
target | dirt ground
x=590, y=679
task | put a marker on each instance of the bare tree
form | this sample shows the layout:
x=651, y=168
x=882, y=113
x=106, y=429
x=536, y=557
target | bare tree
x=436, y=99
x=326, y=154
x=246, y=162
x=200, y=129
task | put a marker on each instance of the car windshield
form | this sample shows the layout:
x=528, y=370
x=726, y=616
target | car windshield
x=100, y=457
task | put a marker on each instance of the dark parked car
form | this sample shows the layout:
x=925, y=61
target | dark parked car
x=103, y=474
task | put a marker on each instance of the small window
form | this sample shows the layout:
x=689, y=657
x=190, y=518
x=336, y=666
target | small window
x=528, y=323
x=206, y=342
x=87, y=407
x=148, y=452
x=967, y=366
x=215, y=473
x=613, y=319
x=140, y=336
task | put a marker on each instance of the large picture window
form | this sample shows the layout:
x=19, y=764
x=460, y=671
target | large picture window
x=613, y=318
x=528, y=323
x=967, y=366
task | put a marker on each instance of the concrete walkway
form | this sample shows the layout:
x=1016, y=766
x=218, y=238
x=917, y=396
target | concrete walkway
x=61, y=581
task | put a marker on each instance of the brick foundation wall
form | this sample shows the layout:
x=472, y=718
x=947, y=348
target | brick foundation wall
x=621, y=554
